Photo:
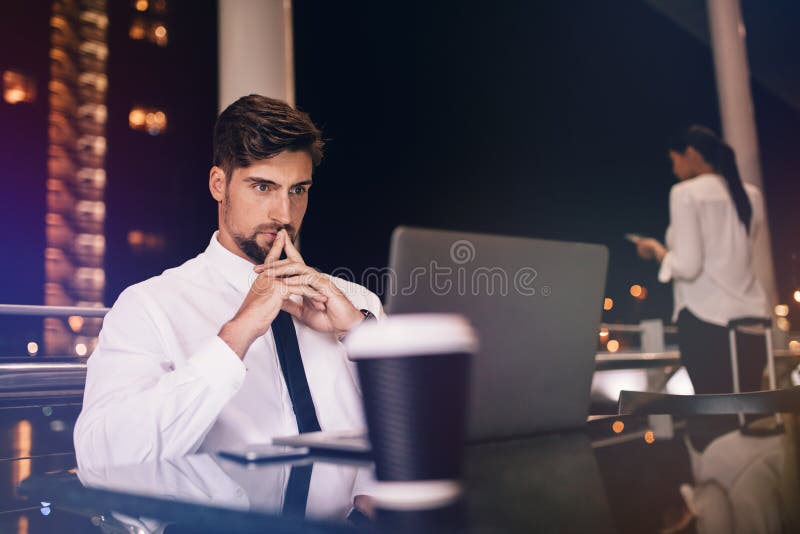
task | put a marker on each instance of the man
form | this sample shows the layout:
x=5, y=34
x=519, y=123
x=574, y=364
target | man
x=207, y=355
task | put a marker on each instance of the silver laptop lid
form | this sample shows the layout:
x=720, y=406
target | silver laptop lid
x=536, y=305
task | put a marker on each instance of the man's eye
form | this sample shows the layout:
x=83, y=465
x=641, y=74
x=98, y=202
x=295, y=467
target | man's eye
x=298, y=190
x=261, y=187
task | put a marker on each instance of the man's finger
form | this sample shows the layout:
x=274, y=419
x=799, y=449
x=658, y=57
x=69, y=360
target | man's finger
x=291, y=252
x=304, y=291
x=266, y=265
x=289, y=269
x=274, y=253
x=314, y=279
x=292, y=307
x=317, y=305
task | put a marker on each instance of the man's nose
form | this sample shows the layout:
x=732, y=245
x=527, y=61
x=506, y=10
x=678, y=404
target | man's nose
x=282, y=209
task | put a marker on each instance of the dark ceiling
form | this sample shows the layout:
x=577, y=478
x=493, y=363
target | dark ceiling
x=773, y=40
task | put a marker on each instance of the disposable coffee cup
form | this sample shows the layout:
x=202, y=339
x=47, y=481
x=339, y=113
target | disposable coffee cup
x=426, y=507
x=414, y=372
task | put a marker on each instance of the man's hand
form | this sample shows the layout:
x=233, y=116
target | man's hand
x=649, y=248
x=335, y=314
x=265, y=299
x=366, y=505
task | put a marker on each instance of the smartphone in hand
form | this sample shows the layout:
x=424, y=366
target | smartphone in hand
x=634, y=238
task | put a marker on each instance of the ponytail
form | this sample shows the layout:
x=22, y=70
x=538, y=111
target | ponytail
x=726, y=166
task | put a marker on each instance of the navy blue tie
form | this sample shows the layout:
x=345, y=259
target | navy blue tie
x=296, y=497
x=293, y=372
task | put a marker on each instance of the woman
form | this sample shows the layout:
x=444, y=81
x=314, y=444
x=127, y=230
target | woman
x=714, y=221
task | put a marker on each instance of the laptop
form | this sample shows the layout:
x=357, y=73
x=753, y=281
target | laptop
x=536, y=305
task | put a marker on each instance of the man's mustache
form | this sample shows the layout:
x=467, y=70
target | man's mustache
x=274, y=228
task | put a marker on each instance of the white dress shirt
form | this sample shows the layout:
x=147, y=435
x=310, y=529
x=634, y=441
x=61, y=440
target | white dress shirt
x=162, y=384
x=710, y=253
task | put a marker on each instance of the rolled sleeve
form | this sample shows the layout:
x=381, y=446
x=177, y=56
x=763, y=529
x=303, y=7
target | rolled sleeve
x=665, y=271
x=685, y=257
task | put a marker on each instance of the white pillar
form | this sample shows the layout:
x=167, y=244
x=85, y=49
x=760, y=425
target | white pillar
x=738, y=118
x=256, y=53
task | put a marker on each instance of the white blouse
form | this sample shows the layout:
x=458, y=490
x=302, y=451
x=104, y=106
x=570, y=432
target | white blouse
x=710, y=253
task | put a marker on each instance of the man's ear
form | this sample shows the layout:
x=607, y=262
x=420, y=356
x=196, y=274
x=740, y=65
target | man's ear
x=217, y=183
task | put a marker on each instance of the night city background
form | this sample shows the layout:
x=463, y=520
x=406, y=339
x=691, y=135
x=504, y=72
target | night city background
x=539, y=119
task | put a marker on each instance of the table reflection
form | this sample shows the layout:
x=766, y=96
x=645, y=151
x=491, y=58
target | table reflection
x=314, y=490
x=739, y=481
x=743, y=482
x=632, y=474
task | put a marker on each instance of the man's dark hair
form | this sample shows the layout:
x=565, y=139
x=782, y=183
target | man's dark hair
x=256, y=127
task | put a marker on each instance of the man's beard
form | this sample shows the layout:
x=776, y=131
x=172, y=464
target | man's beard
x=251, y=248
x=249, y=244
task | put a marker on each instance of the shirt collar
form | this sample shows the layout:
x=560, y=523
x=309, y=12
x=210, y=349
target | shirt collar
x=237, y=271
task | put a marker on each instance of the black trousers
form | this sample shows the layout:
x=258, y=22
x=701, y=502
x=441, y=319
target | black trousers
x=705, y=352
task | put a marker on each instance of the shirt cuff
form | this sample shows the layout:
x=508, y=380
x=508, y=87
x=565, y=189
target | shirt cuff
x=219, y=365
x=665, y=272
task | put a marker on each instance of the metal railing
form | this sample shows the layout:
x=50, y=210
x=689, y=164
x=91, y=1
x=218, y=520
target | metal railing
x=653, y=351
x=635, y=328
x=41, y=381
x=51, y=311
x=617, y=361
x=47, y=379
